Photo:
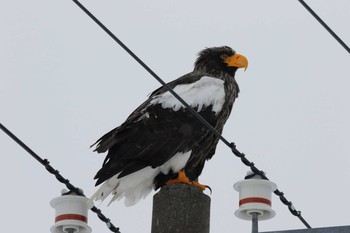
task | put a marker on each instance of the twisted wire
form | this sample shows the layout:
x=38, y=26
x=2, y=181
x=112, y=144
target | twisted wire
x=59, y=177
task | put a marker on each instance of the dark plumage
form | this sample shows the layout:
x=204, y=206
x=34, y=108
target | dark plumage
x=162, y=137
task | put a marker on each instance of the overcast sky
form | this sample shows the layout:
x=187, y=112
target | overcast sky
x=64, y=83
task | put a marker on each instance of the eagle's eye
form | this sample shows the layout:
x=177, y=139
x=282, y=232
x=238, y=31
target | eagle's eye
x=223, y=56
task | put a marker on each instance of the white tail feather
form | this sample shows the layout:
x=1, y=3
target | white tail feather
x=139, y=184
x=107, y=188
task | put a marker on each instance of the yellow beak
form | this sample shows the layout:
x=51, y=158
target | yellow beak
x=237, y=60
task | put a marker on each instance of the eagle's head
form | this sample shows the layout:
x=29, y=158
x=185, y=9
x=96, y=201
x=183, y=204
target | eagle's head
x=218, y=60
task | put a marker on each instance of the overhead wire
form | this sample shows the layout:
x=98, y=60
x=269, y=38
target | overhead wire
x=340, y=41
x=232, y=146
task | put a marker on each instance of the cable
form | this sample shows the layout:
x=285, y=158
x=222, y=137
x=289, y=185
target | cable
x=196, y=114
x=59, y=177
x=325, y=25
x=280, y=194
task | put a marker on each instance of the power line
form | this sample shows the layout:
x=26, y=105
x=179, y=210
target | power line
x=196, y=114
x=325, y=25
x=279, y=193
x=59, y=177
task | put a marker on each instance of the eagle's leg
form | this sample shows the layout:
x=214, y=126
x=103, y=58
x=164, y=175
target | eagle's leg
x=182, y=178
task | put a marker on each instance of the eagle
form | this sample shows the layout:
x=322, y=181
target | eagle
x=162, y=142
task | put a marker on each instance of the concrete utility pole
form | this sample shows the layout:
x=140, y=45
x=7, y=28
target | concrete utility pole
x=180, y=208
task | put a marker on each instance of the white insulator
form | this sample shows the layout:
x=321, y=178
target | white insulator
x=255, y=197
x=71, y=214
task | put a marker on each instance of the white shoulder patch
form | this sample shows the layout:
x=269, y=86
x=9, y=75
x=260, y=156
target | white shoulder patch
x=207, y=91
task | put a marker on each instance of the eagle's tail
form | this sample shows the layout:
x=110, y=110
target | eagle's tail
x=132, y=187
x=105, y=190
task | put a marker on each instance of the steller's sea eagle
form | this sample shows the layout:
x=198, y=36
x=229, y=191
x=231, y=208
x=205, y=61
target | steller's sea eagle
x=161, y=142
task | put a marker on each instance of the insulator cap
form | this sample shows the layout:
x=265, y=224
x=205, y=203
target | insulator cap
x=71, y=214
x=255, y=196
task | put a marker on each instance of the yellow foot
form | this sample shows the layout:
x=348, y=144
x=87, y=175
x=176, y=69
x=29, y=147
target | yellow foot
x=182, y=178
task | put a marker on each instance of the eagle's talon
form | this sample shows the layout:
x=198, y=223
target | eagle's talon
x=201, y=186
x=208, y=187
x=182, y=178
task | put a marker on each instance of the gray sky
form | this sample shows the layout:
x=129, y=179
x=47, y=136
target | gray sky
x=64, y=83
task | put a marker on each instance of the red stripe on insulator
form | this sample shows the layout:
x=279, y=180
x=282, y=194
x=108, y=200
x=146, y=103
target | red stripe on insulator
x=71, y=217
x=254, y=200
